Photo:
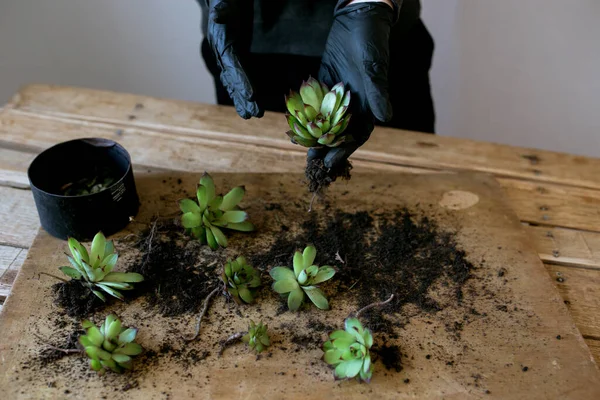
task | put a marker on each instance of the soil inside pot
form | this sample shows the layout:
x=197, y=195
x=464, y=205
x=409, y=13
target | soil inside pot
x=76, y=299
x=319, y=177
x=97, y=180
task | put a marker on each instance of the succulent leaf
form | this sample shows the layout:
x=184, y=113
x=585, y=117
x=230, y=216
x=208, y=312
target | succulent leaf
x=280, y=273
x=314, y=130
x=285, y=285
x=191, y=220
x=71, y=272
x=245, y=226
x=309, y=96
x=235, y=216
x=294, y=102
x=231, y=199
x=97, y=249
x=317, y=297
x=295, y=299
x=328, y=105
x=123, y=277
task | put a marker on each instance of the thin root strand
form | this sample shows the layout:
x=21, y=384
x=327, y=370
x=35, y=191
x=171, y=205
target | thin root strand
x=378, y=304
x=227, y=342
x=204, y=309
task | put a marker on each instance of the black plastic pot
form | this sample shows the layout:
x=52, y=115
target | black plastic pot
x=63, y=167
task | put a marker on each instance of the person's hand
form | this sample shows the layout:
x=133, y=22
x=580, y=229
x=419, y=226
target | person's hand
x=229, y=33
x=357, y=53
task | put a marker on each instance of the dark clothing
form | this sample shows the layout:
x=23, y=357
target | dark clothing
x=289, y=38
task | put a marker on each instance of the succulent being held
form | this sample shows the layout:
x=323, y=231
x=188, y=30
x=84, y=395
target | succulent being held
x=240, y=280
x=110, y=347
x=94, y=269
x=348, y=351
x=302, y=280
x=212, y=212
x=257, y=337
x=317, y=116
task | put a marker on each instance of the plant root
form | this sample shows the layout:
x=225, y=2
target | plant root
x=377, y=304
x=204, y=309
x=229, y=341
x=66, y=351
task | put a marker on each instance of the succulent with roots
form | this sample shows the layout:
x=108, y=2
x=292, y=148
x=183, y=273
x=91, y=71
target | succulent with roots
x=240, y=280
x=111, y=346
x=205, y=219
x=257, y=337
x=348, y=351
x=317, y=116
x=302, y=280
x=95, y=269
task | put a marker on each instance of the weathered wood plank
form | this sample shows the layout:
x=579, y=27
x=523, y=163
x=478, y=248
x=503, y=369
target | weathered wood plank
x=554, y=205
x=580, y=289
x=386, y=145
x=11, y=260
x=19, y=220
x=566, y=246
x=594, y=346
x=13, y=167
x=540, y=203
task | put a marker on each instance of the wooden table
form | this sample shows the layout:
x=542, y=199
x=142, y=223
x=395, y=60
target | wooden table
x=556, y=196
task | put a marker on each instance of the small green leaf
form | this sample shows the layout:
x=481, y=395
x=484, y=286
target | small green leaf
x=75, y=245
x=219, y=236
x=210, y=238
x=285, y=286
x=245, y=295
x=109, y=248
x=340, y=370
x=85, y=341
x=97, y=249
x=235, y=216
x=118, y=285
x=317, y=297
x=325, y=273
x=188, y=205
x=339, y=334
x=328, y=104
x=97, y=353
x=354, y=367
x=199, y=233
x=309, y=96
x=308, y=256
x=110, y=363
x=94, y=335
x=231, y=199
x=191, y=220
x=332, y=356
x=130, y=277
x=298, y=263
x=130, y=349
x=310, y=112
x=95, y=365
x=128, y=335
x=111, y=291
x=202, y=199
x=71, y=272
x=109, y=262
x=367, y=363
x=121, y=358
x=368, y=338
x=113, y=329
x=245, y=226
x=207, y=181
x=294, y=102
x=314, y=130
x=280, y=273
x=99, y=295
x=295, y=299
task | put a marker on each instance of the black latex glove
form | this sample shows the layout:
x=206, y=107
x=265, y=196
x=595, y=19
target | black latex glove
x=229, y=33
x=357, y=53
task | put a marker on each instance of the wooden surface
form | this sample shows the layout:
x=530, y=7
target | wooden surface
x=485, y=360
x=555, y=195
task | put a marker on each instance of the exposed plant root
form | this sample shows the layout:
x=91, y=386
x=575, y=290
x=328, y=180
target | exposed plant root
x=204, y=309
x=66, y=351
x=227, y=342
x=378, y=304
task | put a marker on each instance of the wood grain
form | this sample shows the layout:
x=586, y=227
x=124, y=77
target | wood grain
x=390, y=146
x=567, y=247
x=495, y=346
x=18, y=217
x=580, y=289
x=541, y=203
x=11, y=260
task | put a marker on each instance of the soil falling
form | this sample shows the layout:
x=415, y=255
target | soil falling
x=319, y=177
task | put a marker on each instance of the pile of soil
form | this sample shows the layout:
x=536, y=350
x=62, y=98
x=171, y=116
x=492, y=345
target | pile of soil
x=76, y=299
x=320, y=177
x=175, y=279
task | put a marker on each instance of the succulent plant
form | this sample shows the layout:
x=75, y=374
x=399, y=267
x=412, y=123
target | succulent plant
x=317, y=116
x=240, y=279
x=257, y=337
x=110, y=347
x=94, y=269
x=348, y=351
x=302, y=280
x=212, y=212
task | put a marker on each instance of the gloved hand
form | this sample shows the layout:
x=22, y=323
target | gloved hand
x=357, y=53
x=229, y=33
